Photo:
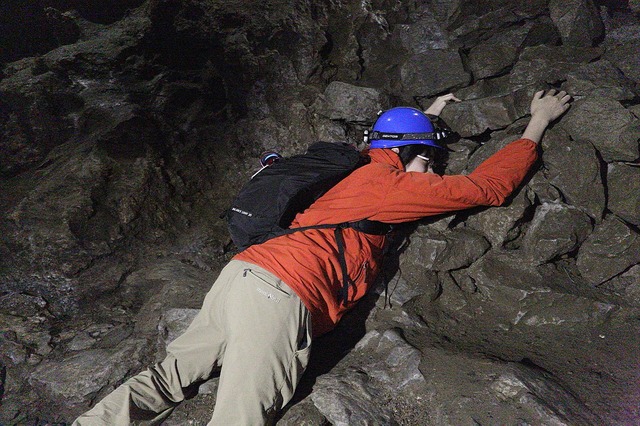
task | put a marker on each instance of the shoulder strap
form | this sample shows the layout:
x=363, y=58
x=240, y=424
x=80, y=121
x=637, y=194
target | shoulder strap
x=366, y=226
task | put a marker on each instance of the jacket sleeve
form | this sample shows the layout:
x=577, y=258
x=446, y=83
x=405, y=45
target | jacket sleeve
x=412, y=196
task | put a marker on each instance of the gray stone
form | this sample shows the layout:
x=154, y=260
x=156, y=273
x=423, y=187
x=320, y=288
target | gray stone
x=473, y=391
x=425, y=33
x=12, y=351
x=459, y=155
x=497, y=54
x=623, y=182
x=343, y=101
x=79, y=377
x=626, y=286
x=422, y=74
x=549, y=64
x=23, y=305
x=172, y=324
x=473, y=19
x=501, y=224
x=611, y=249
x=303, y=413
x=498, y=141
x=33, y=333
x=581, y=183
x=399, y=290
x=348, y=400
x=556, y=229
x=81, y=342
x=474, y=117
x=624, y=56
x=399, y=368
x=366, y=394
x=578, y=21
x=449, y=250
x=617, y=140
x=599, y=78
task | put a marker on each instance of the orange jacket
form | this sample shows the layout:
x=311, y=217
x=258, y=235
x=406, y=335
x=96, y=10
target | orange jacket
x=381, y=190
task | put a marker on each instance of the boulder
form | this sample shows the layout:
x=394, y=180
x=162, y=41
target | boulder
x=422, y=74
x=549, y=64
x=78, y=378
x=623, y=183
x=369, y=393
x=616, y=138
x=474, y=117
x=444, y=251
x=623, y=56
x=424, y=33
x=578, y=21
x=580, y=185
x=173, y=323
x=497, y=54
x=555, y=230
x=611, y=249
x=346, y=102
x=600, y=78
x=501, y=224
x=626, y=286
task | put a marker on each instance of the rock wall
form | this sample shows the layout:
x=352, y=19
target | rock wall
x=124, y=132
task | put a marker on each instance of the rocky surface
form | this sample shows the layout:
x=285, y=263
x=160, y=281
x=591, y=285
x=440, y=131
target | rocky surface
x=125, y=131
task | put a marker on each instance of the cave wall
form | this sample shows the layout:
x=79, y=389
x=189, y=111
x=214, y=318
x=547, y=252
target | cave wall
x=124, y=131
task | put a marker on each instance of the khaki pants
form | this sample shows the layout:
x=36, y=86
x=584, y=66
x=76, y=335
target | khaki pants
x=253, y=326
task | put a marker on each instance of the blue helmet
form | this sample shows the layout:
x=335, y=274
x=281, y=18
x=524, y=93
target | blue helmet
x=402, y=126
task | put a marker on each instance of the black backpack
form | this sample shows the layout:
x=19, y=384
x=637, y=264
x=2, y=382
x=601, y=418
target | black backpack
x=267, y=204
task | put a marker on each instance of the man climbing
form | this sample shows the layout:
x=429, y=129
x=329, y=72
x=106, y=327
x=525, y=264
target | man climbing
x=259, y=318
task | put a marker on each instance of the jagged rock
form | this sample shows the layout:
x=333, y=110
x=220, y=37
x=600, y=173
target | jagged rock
x=517, y=308
x=612, y=248
x=78, y=378
x=627, y=286
x=556, y=229
x=424, y=33
x=411, y=280
x=473, y=18
x=13, y=352
x=162, y=286
x=152, y=138
x=342, y=101
x=580, y=186
x=578, y=21
x=474, y=117
x=498, y=141
x=172, y=324
x=20, y=304
x=445, y=251
x=622, y=56
x=617, y=140
x=348, y=400
x=599, y=78
x=517, y=393
x=304, y=413
x=422, y=74
x=28, y=332
x=459, y=154
x=398, y=370
x=623, y=182
x=501, y=224
x=364, y=395
x=497, y=54
x=54, y=29
x=33, y=120
x=549, y=64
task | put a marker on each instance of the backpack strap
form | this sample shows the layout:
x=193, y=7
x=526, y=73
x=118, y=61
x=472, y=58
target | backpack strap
x=366, y=226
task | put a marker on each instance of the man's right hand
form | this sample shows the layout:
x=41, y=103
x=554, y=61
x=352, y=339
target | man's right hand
x=544, y=109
